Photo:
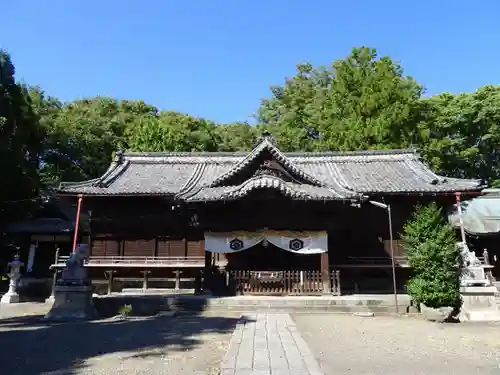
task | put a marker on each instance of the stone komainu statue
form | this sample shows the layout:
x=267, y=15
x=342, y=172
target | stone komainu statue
x=75, y=273
x=469, y=257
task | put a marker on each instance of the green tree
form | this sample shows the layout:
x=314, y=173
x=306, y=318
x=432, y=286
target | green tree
x=81, y=139
x=360, y=102
x=20, y=139
x=235, y=137
x=45, y=109
x=434, y=257
x=460, y=134
x=290, y=111
x=172, y=131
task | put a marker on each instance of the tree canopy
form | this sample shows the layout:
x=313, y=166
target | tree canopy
x=363, y=101
x=360, y=102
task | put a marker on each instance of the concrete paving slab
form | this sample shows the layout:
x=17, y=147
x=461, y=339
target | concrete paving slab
x=268, y=344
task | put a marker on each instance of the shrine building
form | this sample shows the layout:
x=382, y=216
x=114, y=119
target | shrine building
x=262, y=221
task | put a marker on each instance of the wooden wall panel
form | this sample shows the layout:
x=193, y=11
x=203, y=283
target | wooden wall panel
x=112, y=248
x=98, y=248
x=162, y=247
x=196, y=248
x=105, y=247
x=139, y=248
x=177, y=248
x=171, y=247
x=147, y=247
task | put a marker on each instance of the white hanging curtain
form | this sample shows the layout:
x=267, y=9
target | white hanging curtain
x=296, y=242
x=231, y=242
x=31, y=257
x=299, y=242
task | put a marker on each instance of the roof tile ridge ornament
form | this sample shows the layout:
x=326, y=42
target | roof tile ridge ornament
x=119, y=156
x=117, y=163
x=266, y=142
x=266, y=136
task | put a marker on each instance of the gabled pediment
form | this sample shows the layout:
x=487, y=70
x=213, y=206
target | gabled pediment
x=272, y=168
x=265, y=159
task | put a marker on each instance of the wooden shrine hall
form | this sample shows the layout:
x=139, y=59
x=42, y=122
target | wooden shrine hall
x=258, y=222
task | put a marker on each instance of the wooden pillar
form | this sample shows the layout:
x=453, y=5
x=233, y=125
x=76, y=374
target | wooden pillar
x=206, y=284
x=177, y=274
x=198, y=281
x=54, y=276
x=110, y=280
x=145, y=275
x=325, y=273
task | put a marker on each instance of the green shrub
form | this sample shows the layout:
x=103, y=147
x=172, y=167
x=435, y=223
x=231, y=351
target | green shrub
x=434, y=257
x=125, y=310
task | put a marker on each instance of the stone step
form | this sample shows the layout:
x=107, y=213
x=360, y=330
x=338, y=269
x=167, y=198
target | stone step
x=154, y=291
x=490, y=315
x=313, y=310
x=152, y=304
x=348, y=304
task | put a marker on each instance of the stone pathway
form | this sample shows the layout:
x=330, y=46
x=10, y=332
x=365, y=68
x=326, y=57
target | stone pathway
x=268, y=344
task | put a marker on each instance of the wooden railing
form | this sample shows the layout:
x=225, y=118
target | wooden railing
x=400, y=261
x=294, y=282
x=138, y=261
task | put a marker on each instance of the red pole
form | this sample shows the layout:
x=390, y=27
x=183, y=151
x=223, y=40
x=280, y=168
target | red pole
x=79, y=207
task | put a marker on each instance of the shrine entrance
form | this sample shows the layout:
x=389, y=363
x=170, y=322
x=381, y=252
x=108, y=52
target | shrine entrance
x=274, y=262
x=269, y=257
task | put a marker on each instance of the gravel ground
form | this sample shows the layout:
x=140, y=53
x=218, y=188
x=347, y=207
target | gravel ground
x=159, y=345
x=23, y=309
x=400, y=345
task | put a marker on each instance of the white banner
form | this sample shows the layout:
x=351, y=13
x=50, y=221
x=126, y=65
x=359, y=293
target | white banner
x=231, y=242
x=296, y=242
x=31, y=257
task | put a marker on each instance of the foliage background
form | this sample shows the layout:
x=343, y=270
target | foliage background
x=362, y=101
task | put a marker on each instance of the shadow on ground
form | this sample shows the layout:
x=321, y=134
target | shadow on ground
x=32, y=346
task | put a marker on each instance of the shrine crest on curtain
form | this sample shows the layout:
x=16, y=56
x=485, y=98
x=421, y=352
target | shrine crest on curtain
x=310, y=242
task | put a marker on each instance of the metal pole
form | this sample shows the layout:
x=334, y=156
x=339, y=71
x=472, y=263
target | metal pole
x=77, y=223
x=392, y=259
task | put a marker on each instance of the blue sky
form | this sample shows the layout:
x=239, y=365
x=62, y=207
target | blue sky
x=216, y=59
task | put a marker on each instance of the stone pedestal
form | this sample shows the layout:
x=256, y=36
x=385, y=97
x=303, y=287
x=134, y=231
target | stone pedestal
x=50, y=299
x=72, y=302
x=474, y=276
x=10, y=297
x=479, y=304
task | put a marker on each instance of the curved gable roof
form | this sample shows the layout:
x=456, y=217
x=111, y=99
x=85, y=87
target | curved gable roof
x=345, y=175
x=266, y=145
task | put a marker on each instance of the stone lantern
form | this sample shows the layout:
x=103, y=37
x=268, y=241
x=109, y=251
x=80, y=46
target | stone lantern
x=14, y=275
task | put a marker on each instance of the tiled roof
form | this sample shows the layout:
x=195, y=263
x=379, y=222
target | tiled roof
x=329, y=175
x=292, y=190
